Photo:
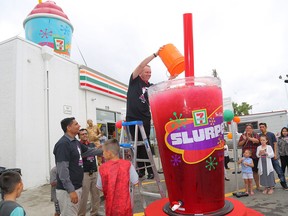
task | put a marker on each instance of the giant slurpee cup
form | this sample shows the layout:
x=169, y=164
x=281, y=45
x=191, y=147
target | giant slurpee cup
x=188, y=119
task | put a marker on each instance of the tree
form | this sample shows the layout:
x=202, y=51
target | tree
x=242, y=109
x=214, y=73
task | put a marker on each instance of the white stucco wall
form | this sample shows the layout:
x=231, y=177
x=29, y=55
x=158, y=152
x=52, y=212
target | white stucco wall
x=22, y=140
x=30, y=126
x=7, y=104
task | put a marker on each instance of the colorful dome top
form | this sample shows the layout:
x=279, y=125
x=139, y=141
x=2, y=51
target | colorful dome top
x=48, y=8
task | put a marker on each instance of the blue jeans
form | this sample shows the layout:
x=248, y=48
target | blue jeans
x=278, y=170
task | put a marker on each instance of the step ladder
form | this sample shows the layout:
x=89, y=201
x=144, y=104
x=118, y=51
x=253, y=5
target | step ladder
x=129, y=151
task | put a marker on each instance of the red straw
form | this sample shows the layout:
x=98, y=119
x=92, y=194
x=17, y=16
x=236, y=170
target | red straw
x=188, y=45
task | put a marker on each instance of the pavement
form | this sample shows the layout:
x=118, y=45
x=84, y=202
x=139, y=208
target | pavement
x=37, y=201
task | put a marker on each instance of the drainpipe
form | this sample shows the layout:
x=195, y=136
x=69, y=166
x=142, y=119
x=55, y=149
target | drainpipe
x=47, y=54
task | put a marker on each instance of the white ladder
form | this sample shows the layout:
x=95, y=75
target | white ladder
x=129, y=151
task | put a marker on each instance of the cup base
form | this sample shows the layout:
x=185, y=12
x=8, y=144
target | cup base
x=228, y=207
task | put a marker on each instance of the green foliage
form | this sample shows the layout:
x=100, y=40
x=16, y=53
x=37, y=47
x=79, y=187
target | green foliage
x=214, y=73
x=242, y=109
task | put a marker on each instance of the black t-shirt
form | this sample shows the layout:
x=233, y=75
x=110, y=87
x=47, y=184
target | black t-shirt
x=89, y=163
x=67, y=150
x=137, y=100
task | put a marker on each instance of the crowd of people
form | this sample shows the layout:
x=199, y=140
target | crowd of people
x=75, y=160
x=79, y=175
x=76, y=165
x=260, y=158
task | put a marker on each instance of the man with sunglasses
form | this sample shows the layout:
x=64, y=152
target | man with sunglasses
x=89, y=179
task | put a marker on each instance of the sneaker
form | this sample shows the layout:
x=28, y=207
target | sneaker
x=150, y=176
x=284, y=185
x=141, y=175
x=238, y=172
x=227, y=179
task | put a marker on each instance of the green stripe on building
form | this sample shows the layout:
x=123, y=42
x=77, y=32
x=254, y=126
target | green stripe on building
x=102, y=84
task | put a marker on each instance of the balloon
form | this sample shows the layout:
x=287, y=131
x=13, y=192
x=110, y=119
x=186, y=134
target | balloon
x=229, y=135
x=236, y=119
x=228, y=115
x=229, y=123
x=119, y=124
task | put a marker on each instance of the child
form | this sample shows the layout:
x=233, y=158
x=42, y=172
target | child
x=225, y=175
x=247, y=173
x=11, y=186
x=114, y=179
x=226, y=155
x=265, y=167
x=102, y=139
x=53, y=183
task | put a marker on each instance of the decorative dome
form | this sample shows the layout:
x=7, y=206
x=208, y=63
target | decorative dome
x=48, y=25
x=48, y=7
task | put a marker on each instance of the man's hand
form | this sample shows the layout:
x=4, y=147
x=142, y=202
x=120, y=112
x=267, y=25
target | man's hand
x=161, y=48
x=53, y=184
x=172, y=77
x=74, y=197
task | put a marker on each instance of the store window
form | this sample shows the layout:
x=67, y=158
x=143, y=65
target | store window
x=106, y=122
x=105, y=116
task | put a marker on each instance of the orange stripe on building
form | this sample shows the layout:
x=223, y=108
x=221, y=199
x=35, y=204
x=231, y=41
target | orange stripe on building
x=102, y=79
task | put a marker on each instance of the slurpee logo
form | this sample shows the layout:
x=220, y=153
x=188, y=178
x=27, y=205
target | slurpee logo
x=59, y=44
x=195, y=138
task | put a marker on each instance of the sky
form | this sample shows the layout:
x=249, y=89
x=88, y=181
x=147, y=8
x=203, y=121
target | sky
x=246, y=41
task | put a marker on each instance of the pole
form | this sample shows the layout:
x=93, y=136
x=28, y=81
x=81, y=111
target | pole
x=235, y=149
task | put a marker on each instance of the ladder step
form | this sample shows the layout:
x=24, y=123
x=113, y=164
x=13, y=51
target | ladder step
x=143, y=160
x=132, y=123
x=139, y=168
x=126, y=145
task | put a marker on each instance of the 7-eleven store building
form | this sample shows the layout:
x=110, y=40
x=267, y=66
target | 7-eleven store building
x=39, y=88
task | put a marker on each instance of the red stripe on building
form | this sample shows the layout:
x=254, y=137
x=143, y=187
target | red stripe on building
x=103, y=90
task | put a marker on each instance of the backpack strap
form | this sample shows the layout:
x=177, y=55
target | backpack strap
x=6, y=207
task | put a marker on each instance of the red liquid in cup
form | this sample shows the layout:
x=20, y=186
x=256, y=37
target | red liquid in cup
x=191, y=151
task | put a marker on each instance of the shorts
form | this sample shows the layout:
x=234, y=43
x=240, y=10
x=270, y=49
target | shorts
x=247, y=175
x=255, y=168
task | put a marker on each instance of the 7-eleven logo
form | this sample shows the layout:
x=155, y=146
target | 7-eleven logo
x=59, y=44
x=200, y=117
